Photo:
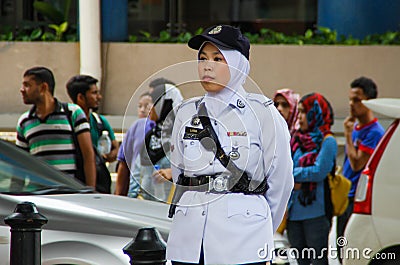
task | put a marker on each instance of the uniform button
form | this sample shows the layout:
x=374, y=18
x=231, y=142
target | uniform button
x=211, y=162
x=203, y=213
x=248, y=212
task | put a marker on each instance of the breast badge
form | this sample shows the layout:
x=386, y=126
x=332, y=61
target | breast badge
x=195, y=121
x=234, y=154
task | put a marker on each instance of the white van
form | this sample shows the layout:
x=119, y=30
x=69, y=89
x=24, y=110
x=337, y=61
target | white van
x=372, y=235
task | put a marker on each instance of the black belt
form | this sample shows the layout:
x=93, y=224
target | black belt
x=199, y=183
x=223, y=184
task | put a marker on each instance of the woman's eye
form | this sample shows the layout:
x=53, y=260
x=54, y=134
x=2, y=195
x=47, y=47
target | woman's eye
x=217, y=59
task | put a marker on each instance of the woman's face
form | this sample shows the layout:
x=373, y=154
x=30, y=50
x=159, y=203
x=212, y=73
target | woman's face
x=283, y=106
x=302, y=117
x=144, y=106
x=213, y=69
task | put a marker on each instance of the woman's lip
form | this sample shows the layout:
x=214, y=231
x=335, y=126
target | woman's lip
x=207, y=78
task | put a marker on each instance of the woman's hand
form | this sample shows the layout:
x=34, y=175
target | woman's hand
x=163, y=175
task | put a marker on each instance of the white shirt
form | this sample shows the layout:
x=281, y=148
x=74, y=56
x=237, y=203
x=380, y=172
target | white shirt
x=234, y=227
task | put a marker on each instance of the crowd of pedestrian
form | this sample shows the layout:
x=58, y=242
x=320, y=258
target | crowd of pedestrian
x=278, y=171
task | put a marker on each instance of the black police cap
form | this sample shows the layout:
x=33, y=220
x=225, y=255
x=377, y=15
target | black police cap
x=225, y=36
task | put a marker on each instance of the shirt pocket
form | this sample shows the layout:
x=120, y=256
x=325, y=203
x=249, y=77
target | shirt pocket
x=195, y=157
x=181, y=209
x=184, y=203
x=248, y=206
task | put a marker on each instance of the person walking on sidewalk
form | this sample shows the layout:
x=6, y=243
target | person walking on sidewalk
x=45, y=130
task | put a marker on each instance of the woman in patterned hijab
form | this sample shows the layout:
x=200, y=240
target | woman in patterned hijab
x=314, y=153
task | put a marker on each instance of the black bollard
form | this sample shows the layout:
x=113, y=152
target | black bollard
x=25, y=223
x=147, y=248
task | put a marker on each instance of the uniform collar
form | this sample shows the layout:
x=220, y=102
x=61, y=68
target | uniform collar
x=238, y=100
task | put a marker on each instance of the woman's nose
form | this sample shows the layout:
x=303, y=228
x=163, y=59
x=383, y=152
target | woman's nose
x=208, y=65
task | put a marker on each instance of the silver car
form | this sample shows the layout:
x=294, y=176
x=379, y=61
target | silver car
x=83, y=227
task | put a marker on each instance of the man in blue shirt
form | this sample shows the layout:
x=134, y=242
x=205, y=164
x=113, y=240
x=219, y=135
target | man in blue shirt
x=362, y=133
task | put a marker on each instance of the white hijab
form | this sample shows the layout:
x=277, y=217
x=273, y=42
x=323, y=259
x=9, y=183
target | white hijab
x=239, y=68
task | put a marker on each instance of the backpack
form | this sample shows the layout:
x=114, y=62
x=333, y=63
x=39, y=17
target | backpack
x=103, y=176
x=103, y=180
x=99, y=123
x=154, y=147
x=157, y=140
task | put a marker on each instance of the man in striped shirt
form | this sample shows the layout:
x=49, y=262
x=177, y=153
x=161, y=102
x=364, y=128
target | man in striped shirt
x=45, y=130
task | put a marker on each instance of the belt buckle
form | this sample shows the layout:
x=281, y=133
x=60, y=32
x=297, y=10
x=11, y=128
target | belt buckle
x=219, y=184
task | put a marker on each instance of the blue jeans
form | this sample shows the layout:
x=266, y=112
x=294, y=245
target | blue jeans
x=134, y=181
x=309, y=238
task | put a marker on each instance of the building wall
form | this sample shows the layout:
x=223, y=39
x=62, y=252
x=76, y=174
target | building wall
x=127, y=69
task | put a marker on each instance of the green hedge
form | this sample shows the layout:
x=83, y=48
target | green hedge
x=321, y=36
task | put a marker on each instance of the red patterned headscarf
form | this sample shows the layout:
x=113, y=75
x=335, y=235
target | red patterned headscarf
x=319, y=115
x=319, y=112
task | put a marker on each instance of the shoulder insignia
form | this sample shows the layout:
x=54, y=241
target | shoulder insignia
x=268, y=102
x=260, y=99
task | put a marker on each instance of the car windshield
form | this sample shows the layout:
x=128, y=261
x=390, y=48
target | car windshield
x=22, y=174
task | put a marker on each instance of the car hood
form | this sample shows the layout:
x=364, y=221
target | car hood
x=94, y=213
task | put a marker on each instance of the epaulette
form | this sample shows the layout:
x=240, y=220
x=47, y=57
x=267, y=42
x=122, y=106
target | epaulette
x=260, y=98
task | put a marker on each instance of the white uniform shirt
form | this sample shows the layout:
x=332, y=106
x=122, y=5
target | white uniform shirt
x=233, y=228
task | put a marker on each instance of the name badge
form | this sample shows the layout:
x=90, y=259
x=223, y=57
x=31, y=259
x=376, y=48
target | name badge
x=191, y=133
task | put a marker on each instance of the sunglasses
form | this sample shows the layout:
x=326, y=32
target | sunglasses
x=283, y=104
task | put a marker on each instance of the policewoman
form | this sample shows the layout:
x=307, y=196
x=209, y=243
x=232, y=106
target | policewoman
x=230, y=158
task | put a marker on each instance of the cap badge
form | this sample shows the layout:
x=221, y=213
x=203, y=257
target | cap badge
x=195, y=121
x=215, y=30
